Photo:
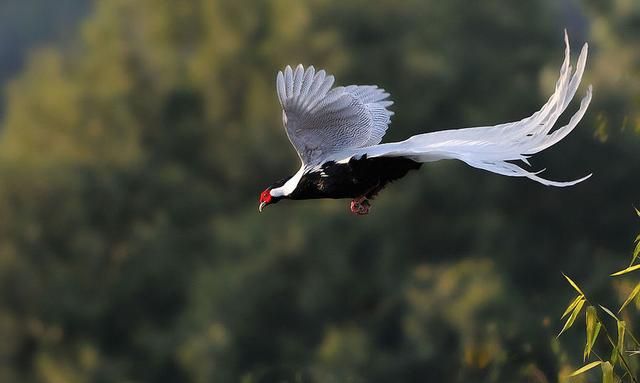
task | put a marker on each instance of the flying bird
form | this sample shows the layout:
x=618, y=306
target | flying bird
x=337, y=133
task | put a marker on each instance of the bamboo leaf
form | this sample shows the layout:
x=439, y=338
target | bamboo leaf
x=586, y=368
x=571, y=306
x=625, y=271
x=619, y=344
x=606, y=310
x=614, y=355
x=621, y=330
x=575, y=286
x=593, y=328
x=636, y=251
x=607, y=372
x=573, y=316
x=633, y=294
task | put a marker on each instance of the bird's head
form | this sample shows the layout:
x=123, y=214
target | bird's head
x=266, y=198
x=272, y=194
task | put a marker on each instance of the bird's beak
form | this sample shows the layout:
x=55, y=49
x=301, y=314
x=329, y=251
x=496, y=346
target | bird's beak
x=262, y=205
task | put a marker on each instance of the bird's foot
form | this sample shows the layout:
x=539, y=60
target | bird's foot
x=360, y=206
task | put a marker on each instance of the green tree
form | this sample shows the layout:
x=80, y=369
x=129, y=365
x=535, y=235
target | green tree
x=130, y=248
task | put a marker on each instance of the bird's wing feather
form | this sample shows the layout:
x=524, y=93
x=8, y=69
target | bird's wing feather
x=320, y=121
x=492, y=147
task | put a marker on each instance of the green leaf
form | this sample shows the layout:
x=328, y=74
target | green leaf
x=614, y=355
x=619, y=344
x=571, y=306
x=596, y=333
x=633, y=294
x=607, y=372
x=574, y=315
x=575, y=286
x=621, y=329
x=585, y=368
x=636, y=251
x=593, y=329
x=627, y=270
x=610, y=313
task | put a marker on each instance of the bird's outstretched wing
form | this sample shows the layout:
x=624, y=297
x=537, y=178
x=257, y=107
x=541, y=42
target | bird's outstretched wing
x=320, y=121
x=493, y=147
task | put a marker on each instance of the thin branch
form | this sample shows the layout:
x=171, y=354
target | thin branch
x=632, y=337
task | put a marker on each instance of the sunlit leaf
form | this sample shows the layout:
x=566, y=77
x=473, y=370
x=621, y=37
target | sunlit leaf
x=572, y=318
x=596, y=333
x=619, y=344
x=575, y=286
x=627, y=270
x=621, y=330
x=637, y=211
x=586, y=368
x=609, y=312
x=571, y=306
x=633, y=294
x=593, y=328
x=636, y=251
x=607, y=372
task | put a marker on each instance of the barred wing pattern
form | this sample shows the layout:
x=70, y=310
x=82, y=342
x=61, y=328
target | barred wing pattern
x=321, y=121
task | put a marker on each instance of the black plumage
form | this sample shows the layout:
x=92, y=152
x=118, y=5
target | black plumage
x=363, y=177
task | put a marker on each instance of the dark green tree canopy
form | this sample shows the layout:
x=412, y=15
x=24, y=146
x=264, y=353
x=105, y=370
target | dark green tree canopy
x=131, y=160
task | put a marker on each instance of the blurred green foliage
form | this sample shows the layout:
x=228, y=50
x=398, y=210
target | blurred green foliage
x=26, y=24
x=131, y=161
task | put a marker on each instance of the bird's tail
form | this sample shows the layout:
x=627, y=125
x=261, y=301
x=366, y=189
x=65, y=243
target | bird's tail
x=493, y=147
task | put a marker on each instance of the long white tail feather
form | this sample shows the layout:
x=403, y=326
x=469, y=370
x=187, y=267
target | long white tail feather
x=491, y=147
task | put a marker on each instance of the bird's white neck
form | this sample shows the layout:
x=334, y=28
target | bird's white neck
x=288, y=186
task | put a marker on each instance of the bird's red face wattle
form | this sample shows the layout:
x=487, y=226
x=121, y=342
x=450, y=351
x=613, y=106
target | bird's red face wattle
x=265, y=199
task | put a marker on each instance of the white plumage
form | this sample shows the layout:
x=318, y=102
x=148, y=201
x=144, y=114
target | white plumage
x=321, y=121
x=325, y=124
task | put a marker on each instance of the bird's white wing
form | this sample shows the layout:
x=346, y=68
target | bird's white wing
x=492, y=147
x=321, y=121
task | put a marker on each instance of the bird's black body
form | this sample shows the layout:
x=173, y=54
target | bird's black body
x=363, y=177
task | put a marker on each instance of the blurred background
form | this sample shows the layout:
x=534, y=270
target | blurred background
x=137, y=135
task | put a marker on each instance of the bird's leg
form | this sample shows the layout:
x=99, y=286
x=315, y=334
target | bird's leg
x=360, y=206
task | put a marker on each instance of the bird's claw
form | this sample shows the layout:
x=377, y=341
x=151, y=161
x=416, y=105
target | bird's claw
x=360, y=206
